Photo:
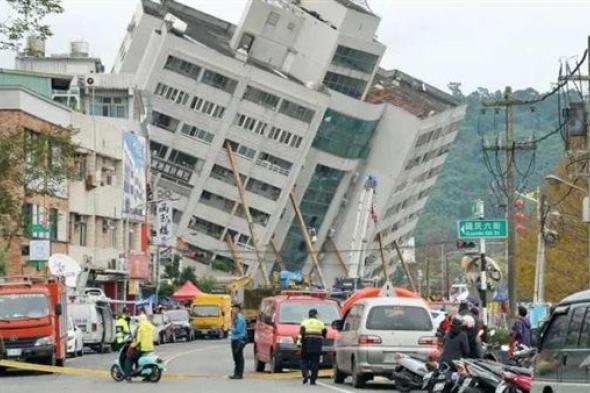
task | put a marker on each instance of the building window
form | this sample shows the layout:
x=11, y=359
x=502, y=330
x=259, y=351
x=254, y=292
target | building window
x=352, y=87
x=164, y=121
x=296, y=111
x=158, y=150
x=246, y=42
x=273, y=18
x=344, y=136
x=219, y=81
x=250, y=124
x=355, y=59
x=207, y=227
x=274, y=163
x=263, y=189
x=209, y=108
x=182, y=67
x=197, y=133
x=261, y=97
x=241, y=150
x=172, y=94
x=109, y=106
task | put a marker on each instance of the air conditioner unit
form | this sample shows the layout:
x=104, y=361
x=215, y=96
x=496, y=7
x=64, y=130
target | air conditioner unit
x=175, y=25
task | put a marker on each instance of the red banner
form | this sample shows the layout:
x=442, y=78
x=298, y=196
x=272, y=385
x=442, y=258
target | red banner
x=138, y=266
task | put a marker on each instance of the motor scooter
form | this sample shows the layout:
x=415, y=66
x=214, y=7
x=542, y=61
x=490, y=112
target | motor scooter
x=409, y=372
x=150, y=367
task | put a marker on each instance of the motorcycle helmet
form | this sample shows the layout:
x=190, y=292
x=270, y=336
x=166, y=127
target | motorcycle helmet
x=468, y=322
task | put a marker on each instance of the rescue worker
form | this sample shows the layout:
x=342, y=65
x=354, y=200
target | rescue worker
x=121, y=329
x=238, y=341
x=312, y=333
x=143, y=343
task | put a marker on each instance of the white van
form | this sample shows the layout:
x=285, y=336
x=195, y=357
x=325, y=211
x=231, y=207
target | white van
x=563, y=362
x=374, y=331
x=95, y=320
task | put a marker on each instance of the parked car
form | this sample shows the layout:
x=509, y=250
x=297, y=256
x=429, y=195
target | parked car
x=75, y=344
x=563, y=361
x=277, y=328
x=437, y=317
x=164, y=329
x=95, y=320
x=374, y=331
x=181, y=322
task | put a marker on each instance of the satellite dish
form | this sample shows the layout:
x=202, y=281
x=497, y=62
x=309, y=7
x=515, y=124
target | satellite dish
x=61, y=265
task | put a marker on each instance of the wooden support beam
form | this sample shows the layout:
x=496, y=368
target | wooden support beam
x=234, y=254
x=310, y=250
x=278, y=257
x=383, y=260
x=404, y=266
x=245, y=206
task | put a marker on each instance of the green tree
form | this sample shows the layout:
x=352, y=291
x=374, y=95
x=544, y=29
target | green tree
x=187, y=274
x=25, y=18
x=31, y=163
x=206, y=283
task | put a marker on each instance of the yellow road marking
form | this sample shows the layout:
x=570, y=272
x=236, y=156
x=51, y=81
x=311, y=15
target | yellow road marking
x=286, y=375
x=74, y=371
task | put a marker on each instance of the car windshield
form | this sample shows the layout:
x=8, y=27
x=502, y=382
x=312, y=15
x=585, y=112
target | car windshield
x=178, y=316
x=206, y=311
x=398, y=318
x=22, y=306
x=295, y=312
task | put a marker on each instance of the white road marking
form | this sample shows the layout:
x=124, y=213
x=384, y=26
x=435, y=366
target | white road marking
x=334, y=388
x=170, y=359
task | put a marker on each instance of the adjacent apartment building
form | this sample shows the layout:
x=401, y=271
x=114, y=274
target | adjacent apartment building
x=296, y=91
x=92, y=225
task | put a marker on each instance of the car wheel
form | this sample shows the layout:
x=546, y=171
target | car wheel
x=337, y=375
x=220, y=335
x=275, y=365
x=81, y=353
x=358, y=379
x=173, y=340
x=60, y=362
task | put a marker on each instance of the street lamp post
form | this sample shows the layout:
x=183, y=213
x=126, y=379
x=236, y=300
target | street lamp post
x=556, y=179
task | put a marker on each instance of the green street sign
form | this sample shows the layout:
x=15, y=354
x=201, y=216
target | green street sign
x=488, y=229
x=38, y=228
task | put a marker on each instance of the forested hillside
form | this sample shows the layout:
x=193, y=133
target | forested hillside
x=465, y=177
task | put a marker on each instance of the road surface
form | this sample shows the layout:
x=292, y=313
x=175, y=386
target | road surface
x=201, y=366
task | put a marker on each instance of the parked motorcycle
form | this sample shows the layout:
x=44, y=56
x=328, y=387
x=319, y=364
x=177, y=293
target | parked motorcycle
x=150, y=367
x=409, y=372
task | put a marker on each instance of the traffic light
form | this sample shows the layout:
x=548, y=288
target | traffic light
x=461, y=244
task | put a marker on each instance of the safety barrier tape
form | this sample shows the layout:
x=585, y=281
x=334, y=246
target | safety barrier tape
x=74, y=371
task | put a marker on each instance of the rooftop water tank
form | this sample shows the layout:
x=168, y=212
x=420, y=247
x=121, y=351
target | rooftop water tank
x=79, y=48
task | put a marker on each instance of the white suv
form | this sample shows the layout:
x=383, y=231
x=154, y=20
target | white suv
x=374, y=331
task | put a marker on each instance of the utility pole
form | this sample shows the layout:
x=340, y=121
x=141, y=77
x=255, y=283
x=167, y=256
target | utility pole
x=539, y=293
x=509, y=147
x=483, y=280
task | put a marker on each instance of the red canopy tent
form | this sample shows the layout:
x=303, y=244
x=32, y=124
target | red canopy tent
x=186, y=292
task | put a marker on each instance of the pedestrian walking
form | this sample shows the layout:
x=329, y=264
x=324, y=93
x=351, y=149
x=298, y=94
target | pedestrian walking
x=312, y=333
x=238, y=341
x=456, y=345
x=473, y=339
x=521, y=328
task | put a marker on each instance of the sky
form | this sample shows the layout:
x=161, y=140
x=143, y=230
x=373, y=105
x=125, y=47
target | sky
x=478, y=43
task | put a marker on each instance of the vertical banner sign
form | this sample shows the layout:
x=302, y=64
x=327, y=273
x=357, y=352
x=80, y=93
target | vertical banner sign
x=164, y=223
x=134, y=184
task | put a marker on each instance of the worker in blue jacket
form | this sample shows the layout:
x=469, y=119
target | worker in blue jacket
x=238, y=341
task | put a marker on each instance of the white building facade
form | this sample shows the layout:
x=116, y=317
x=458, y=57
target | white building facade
x=291, y=90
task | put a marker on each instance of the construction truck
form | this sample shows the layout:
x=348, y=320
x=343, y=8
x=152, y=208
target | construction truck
x=33, y=320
